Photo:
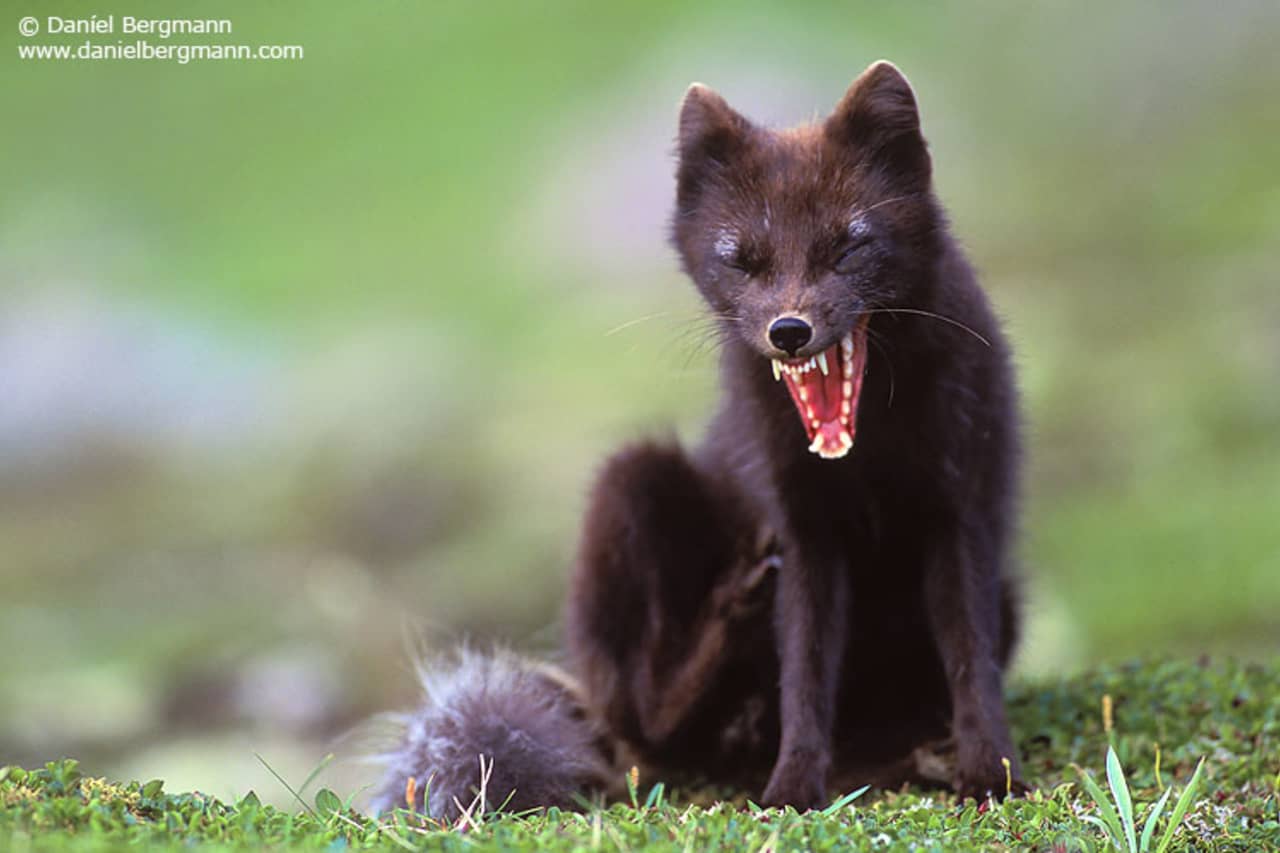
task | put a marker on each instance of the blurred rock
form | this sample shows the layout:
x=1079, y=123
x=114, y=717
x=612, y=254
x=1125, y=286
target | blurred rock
x=76, y=370
x=296, y=690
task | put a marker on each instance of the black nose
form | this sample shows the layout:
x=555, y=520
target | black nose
x=789, y=334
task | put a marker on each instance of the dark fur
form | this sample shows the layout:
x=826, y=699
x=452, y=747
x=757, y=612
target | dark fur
x=522, y=716
x=893, y=616
x=752, y=613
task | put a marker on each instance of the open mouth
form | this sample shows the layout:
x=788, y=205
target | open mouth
x=825, y=389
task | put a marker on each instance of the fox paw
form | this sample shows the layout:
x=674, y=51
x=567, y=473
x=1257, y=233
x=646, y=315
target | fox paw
x=989, y=779
x=982, y=789
x=742, y=593
x=795, y=785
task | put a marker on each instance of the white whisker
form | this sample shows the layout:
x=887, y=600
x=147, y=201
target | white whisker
x=935, y=316
x=865, y=210
x=637, y=321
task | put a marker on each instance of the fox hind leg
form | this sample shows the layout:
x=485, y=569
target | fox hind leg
x=667, y=621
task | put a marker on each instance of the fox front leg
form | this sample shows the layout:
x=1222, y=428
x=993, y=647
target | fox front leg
x=964, y=595
x=811, y=612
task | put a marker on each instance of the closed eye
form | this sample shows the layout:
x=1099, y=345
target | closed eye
x=745, y=260
x=849, y=257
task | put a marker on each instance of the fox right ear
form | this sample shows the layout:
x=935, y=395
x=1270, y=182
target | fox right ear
x=710, y=129
x=710, y=136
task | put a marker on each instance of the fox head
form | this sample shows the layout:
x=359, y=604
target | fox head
x=794, y=236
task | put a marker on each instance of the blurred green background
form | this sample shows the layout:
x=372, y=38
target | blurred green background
x=307, y=364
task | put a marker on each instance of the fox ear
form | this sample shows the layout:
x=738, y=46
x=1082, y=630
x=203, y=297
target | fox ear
x=878, y=115
x=709, y=127
x=711, y=133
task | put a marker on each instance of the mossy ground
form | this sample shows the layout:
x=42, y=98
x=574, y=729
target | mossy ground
x=1166, y=715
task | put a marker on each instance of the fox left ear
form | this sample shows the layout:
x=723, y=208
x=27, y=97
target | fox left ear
x=878, y=115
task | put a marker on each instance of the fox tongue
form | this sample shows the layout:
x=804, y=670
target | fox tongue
x=827, y=402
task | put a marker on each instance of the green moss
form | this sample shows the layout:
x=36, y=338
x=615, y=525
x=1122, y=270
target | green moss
x=1166, y=716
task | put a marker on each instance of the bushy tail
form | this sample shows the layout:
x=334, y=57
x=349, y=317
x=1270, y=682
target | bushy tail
x=524, y=719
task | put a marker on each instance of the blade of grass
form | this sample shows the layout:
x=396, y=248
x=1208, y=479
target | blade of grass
x=1180, y=809
x=1149, y=827
x=324, y=762
x=1108, y=812
x=503, y=806
x=655, y=796
x=845, y=800
x=280, y=779
x=1096, y=821
x=382, y=828
x=1124, y=802
x=633, y=786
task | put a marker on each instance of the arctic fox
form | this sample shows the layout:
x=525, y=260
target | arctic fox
x=821, y=591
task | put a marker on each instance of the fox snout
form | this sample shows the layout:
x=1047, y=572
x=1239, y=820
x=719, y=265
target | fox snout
x=789, y=333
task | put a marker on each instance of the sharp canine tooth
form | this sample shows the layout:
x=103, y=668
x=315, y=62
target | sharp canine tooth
x=822, y=363
x=777, y=370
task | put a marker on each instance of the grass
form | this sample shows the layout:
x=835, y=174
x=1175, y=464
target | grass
x=1118, y=819
x=1204, y=735
x=404, y=284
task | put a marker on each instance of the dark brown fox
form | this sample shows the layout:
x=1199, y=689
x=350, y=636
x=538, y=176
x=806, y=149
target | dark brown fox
x=821, y=593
